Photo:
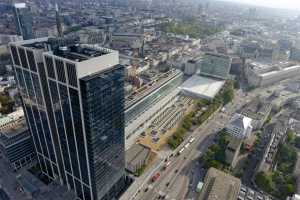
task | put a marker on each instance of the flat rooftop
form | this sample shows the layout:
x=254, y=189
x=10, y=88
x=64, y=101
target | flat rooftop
x=14, y=133
x=69, y=48
x=79, y=52
x=201, y=87
x=215, y=189
x=15, y=129
x=296, y=67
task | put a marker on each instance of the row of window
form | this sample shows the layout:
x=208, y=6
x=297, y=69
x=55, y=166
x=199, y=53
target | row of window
x=23, y=58
x=32, y=93
x=103, y=106
x=60, y=71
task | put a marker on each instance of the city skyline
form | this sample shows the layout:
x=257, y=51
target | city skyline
x=150, y=99
x=281, y=4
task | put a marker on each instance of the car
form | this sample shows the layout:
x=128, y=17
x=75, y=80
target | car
x=241, y=198
x=176, y=170
x=258, y=197
x=250, y=198
x=251, y=192
x=167, y=184
x=243, y=189
x=242, y=193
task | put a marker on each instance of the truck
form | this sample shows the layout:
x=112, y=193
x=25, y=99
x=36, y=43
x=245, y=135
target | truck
x=155, y=177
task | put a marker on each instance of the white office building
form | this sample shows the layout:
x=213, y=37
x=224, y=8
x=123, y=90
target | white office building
x=259, y=74
x=239, y=126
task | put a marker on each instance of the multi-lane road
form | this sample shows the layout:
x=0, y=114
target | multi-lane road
x=180, y=178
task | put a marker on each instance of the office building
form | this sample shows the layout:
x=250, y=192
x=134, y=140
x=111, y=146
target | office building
x=215, y=189
x=141, y=109
x=239, y=126
x=216, y=66
x=191, y=67
x=137, y=157
x=261, y=74
x=201, y=87
x=295, y=54
x=73, y=98
x=232, y=151
x=23, y=20
x=16, y=144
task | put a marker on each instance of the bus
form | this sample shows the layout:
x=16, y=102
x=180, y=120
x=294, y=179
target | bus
x=192, y=140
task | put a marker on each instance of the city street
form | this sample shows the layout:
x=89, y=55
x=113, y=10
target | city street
x=181, y=177
x=187, y=173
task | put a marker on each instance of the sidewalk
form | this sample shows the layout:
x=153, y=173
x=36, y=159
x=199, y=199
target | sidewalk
x=139, y=182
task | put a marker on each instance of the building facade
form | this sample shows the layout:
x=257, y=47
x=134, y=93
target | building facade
x=23, y=20
x=16, y=145
x=239, y=126
x=73, y=97
x=216, y=65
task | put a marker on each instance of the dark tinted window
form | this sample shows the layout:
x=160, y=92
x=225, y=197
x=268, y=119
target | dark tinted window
x=31, y=60
x=72, y=74
x=50, y=67
x=23, y=57
x=15, y=55
x=60, y=70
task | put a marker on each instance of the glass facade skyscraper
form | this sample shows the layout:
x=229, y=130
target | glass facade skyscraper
x=23, y=21
x=73, y=99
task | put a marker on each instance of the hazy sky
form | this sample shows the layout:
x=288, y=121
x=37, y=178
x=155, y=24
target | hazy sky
x=290, y=4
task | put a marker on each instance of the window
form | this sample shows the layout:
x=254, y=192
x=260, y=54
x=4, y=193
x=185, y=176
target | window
x=72, y=74
x=31, y=60
x=23, y=57
x=60, y=70
x=50, y=67
x=15, y=55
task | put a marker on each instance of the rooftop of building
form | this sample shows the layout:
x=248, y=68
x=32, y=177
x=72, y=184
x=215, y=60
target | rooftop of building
x=79, y=53
x=69, y=48
x=264, y=68
x=257, y=109
x=14, y=133
x=156, y=81
x=217, y=55
x=10, y=118
x=202, y=87
x=241, y=121
x=234, y=143
x=88, y=59
x=137, y=154
x=215, y=189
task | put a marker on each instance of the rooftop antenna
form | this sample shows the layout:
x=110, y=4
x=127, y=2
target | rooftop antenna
x=58, y=22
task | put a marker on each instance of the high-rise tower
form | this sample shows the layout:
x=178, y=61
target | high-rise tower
x=58, y=21
x=73, y=98
x=23, y=20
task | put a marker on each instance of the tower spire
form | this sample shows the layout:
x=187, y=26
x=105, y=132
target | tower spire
x=58, y=21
